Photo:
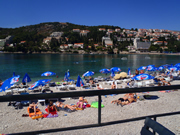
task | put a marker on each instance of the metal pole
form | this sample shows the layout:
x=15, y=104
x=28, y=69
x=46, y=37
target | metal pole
x=153, y=130
x=99, y=109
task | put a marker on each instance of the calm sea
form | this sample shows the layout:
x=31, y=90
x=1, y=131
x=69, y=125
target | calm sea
x=36, y=64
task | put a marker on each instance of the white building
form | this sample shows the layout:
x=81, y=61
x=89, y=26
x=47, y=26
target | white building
x=143, y=46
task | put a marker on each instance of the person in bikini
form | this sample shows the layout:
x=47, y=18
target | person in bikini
x=82, y=102
x=33, y=109
x=51, y=107
x=128, y=98
x=60, y=104
x=113, y=86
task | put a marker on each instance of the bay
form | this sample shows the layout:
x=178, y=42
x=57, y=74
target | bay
x=36, y=64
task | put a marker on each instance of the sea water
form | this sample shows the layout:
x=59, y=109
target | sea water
x=77, y=64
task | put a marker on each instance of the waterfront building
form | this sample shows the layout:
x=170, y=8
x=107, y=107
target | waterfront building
x=141, y=46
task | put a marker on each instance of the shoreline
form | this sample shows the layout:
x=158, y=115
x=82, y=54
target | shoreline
x=93, y=53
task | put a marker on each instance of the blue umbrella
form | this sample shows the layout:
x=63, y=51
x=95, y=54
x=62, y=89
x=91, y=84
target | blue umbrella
x=129, y=71
x=173, y=68
x=160, y=68
x=177, y=65
x=115, y=69
x=150, y=68
x=14, y=74
x=141, y=68
x=26, y=78
x=112, y=73
x=166, y=66
x=66, y=77
x=142, y=77
x=39, y=83
x=88, y=73
x=48, y=73
x=79, y=82
x=9, y=82
x=104, y=71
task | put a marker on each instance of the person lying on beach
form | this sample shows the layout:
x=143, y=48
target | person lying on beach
x=51, y=107
x=32, y=108
x=113, y=86
x=82, y=103
x=99, y=88
x=60, y=104
x=128, y=98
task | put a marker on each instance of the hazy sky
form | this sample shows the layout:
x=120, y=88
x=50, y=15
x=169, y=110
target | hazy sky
x=160, y=14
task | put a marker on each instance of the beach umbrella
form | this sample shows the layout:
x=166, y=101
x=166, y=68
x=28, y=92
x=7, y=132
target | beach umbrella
x=115, y=69
x=112, y=73
x=173, y=68
x=66, y=77
x=14, y=74
x=142, y=77
x=9, y=82
x=39, y=83
x=88, y=73
x=160, y=68
x=48, y=73
x=129, y=71
x=79, y=82
x=150, y=68
x=142, y=68
x=104, y=71
x=166, y=65
x=177, y=65
x=26, y=78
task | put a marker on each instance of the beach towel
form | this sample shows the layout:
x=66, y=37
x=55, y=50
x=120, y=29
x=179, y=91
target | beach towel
x=38, y=114
x=95, y=105
x=51, y=114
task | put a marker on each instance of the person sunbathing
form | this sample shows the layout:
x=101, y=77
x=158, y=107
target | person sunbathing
x=128, y=98
x=60, y=104
x=32, y=108
x=113, y=86
x=51, y=107
x=99, y=88
x=82, y=103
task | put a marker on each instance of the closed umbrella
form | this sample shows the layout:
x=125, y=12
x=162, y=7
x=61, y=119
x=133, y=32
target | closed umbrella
x=26, y=78
x=79, y=82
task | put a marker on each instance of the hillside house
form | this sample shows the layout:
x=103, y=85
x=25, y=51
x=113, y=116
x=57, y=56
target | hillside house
x=76, y=30
x=77, y=45
x=102, y=29
x=47, y=40
x=160, y=43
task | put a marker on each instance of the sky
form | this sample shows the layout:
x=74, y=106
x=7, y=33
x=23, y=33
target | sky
x=147, y=14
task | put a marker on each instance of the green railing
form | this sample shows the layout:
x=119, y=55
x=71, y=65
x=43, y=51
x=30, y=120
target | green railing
x=98, y=93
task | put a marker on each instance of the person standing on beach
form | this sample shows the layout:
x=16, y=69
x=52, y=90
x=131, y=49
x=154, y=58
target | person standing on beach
x=137, y=72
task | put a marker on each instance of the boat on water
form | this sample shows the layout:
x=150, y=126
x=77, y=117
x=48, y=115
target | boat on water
x=147, y=57
x=124, y=58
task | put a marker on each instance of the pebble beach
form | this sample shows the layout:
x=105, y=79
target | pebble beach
x=11, y=120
